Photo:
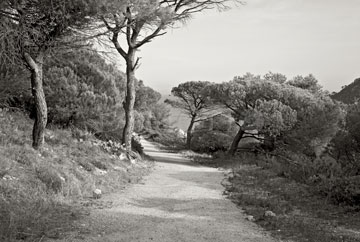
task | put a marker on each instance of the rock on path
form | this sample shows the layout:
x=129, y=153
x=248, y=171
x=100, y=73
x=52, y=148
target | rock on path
x=178, y=201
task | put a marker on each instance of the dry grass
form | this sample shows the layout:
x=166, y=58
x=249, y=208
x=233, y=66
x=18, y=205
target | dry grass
x=302, y=214
x=40, y=191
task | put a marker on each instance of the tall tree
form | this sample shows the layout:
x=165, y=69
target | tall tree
x=139, y=22
x=193, y=98
x=254, y=104
x=31, y=28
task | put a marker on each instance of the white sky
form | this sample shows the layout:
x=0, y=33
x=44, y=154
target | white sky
x=293, y=37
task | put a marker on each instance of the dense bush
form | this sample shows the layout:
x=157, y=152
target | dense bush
x=342, y=185
x=83, y=90
x=212, y=135
x=167, y=137
x=210, y=141
x=15, y=89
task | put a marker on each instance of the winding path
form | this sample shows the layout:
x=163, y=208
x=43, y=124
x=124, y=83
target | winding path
x=178, y=201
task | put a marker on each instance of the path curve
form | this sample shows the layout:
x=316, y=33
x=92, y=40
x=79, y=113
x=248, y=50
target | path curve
x=178, y=201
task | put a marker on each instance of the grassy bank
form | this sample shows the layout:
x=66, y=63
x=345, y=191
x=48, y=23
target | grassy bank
x=290, y=210
x=42, y=192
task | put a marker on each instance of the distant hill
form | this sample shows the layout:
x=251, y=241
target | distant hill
x=350, y=93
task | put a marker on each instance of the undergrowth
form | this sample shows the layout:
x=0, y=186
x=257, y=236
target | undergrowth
x=40, y=190
x=261, y=183
x=168, y=138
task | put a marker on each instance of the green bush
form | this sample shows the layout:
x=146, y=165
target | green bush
x=210, y=141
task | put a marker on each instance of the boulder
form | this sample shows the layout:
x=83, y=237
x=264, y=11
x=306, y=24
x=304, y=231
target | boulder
x=269, y=214
x=250, y=218
x=97, y=194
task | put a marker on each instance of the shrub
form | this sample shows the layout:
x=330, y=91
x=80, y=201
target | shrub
x=210, y=142
x=50, y=178
x=166, y=137
x=341, y=190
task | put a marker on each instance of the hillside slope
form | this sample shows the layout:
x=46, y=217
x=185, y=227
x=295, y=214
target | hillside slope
x=40, y=191
x=350, y=93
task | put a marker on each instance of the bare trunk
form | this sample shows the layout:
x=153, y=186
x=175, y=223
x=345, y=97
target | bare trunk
x=129, y=100
x=235, y=143
x=36, y=69
x=189, y=132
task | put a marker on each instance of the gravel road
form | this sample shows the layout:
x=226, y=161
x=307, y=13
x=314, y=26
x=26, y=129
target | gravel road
x=178, y=201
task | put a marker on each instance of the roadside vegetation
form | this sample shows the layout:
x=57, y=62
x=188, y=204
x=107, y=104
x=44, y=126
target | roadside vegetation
x=43, y=191
x=290, y=152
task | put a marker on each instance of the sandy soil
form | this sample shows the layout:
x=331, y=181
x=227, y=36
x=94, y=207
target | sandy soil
x=178, y=201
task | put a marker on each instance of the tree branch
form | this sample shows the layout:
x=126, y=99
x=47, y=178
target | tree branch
x=148, y=38
x=117, y=45
x=136, y=65
x=207, y=118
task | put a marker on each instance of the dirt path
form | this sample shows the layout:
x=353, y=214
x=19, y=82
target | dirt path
x=179, y=201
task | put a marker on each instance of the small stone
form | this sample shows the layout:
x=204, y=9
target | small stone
x=118, y=168
x=122, y=157
x=226, y=183
x=269, y=214
x=99, y=172
x=97, y=194
x=250, y=218
x=9, y=178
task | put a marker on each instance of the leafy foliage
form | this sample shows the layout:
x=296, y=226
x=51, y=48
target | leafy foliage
x=213, y=135
x=308, y=83
x=83, y=90
x=33, y=25
x=273, y=117
x=288, y=111
x=145, y=97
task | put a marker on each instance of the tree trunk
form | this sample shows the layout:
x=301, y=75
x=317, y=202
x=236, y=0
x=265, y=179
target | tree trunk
x=129, y=100
x=189, y=132
x=36, y=69
x=235, y=143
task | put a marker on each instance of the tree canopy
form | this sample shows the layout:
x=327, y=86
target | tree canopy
x=277, y=108
x=193, y=98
